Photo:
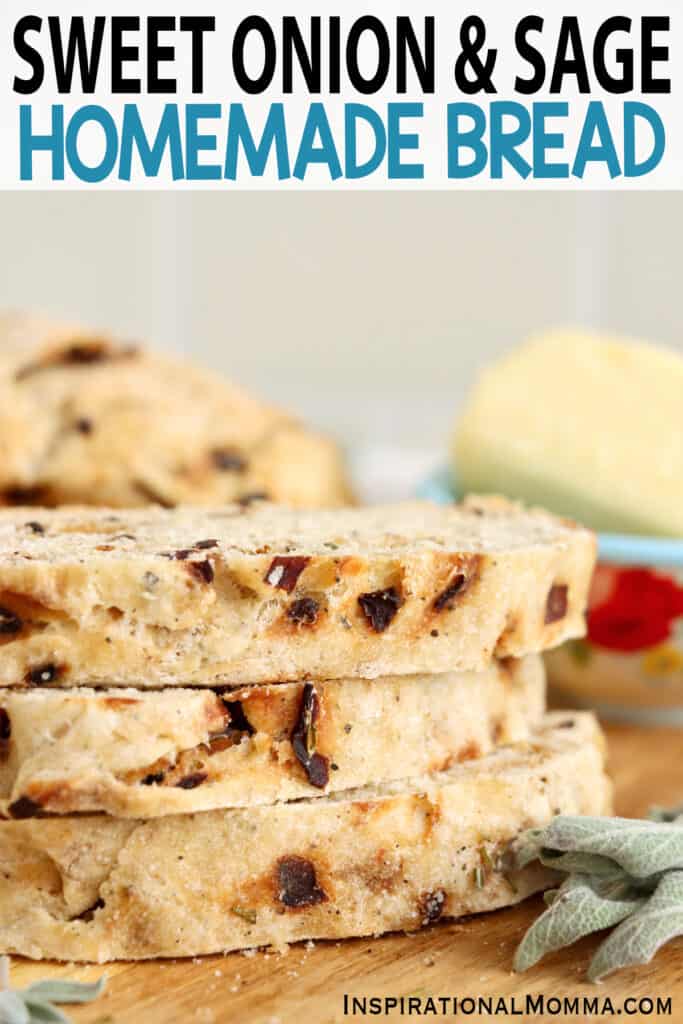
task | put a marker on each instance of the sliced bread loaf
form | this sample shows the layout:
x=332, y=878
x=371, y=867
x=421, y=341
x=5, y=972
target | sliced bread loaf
x=232, y=595
x=361, y=862
x=143, y=753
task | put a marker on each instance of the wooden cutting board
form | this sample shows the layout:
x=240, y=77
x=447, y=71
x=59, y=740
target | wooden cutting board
x=470, y=958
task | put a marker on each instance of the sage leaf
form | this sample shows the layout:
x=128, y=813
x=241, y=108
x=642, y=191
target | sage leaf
x=13, y=1009
x=549, y=896
x=579, y=863
x=57, y=991
x=639, y=937
x=641, y=848
x=34, y=1004
x=579, y=908
x=525, y=848
x=46, y=1013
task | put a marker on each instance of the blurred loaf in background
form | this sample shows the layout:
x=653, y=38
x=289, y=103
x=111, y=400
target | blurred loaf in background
x=88, y=419
x=588, y=426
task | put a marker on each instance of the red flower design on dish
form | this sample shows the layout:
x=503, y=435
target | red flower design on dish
x=632, y=609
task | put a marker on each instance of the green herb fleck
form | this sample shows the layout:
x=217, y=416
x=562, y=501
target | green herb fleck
x=484, y=869
x=486, y=861
x=245, y=913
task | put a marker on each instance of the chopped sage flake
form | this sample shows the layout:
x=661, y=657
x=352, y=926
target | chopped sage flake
x=245, y=913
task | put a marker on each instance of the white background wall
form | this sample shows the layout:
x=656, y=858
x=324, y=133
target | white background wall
x=368, y=312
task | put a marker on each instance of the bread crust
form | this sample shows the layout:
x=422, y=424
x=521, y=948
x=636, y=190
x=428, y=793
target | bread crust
x=136, y=753
x=178, y=597
x=358, y=863
x=89, y=419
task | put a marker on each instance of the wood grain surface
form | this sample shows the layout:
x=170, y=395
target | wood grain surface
x=466, y=958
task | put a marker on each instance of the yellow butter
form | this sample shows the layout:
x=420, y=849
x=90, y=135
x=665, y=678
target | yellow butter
x=588, y=426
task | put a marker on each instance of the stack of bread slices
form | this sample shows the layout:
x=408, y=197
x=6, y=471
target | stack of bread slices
x=238, y=727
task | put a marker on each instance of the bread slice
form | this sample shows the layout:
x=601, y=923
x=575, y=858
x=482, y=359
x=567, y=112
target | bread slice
x=135, y=753
x=88, y=419
x=232, y=595
x=360, y=862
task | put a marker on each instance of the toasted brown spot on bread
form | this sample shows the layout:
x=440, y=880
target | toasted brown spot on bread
x=152, y=779
x=351, y=565
x=203, y=571
x=235, y=726
x=466, y=572
x=382, y=873
x=45, y=798
x=31, y=613
x=442, y=764
x=507, y=668
x=431, y=811
x=43, y=675
x=192, y=781
x=10, y=622
x=273, y=710
x=470, y=751
x=228, y=460
x=81, y=353
x=217, y=744
x=24, y=807
x=380, y=607
x=446, y=599
x=556, y=603
x=284, y=571
x=431, y=906
x=297, y=884
x=238, y=721
x=512, y=625
x=89, y=912
x=304, y=739
x=363, y=811
x=304, y=611
x=5, y=734
x=114, y=703
x=25, y=496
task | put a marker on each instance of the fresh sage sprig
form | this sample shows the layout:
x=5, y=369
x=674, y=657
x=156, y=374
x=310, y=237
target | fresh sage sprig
x=621, y=873
x=35, y=1003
